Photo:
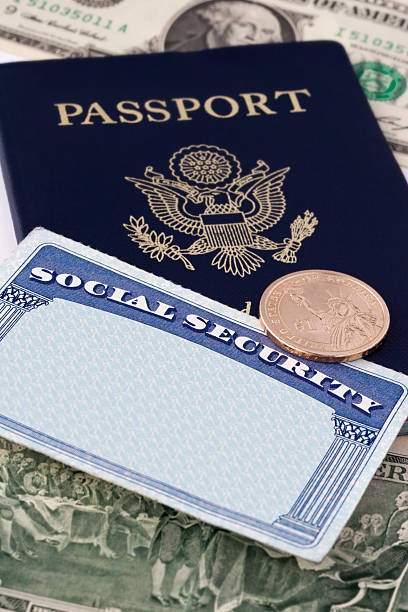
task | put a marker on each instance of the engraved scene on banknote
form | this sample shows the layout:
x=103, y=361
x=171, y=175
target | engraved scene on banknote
x=69, y=540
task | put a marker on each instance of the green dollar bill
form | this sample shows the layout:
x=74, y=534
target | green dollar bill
x=70, y=542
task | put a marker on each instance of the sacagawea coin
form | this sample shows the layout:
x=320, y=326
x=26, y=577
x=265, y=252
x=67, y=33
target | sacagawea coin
x=324, y=315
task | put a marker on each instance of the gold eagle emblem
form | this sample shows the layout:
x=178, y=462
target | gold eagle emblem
x=210, y=199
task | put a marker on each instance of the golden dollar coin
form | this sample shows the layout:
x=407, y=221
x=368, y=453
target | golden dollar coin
x=324, y=315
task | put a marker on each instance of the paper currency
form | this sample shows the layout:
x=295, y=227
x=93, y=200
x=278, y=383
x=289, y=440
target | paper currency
x=69, y=540
x=404, y=429
x=373, y=32
x=156, y=388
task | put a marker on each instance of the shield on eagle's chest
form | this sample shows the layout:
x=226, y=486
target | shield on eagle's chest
x=226, y=229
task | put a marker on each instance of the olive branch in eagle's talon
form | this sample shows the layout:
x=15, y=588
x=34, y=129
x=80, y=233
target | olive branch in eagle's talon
x=156, y=245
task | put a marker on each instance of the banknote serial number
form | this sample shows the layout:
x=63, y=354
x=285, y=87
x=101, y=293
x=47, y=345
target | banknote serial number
x=56, y=9
x=373, y=41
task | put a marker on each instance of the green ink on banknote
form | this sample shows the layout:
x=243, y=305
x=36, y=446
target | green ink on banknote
x=380, y=81
x=143, y=557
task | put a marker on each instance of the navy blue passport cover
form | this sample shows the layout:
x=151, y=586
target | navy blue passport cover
x=242, y=165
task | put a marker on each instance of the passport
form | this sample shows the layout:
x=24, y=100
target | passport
x=219, y=170
x=158, y=389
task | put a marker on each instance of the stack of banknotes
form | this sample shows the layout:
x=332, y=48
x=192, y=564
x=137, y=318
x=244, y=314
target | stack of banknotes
x=268, y=482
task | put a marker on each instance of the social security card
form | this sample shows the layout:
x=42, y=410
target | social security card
x=155, y=388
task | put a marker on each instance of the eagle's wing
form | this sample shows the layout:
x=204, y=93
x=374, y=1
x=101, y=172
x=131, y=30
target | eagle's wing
x=168, y=206
x=268, y=194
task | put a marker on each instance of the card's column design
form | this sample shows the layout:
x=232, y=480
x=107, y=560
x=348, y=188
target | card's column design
x=326, y=489
x=14, y=302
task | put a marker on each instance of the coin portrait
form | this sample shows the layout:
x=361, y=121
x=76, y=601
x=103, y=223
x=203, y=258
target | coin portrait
x=324, y=315
x=226, y=23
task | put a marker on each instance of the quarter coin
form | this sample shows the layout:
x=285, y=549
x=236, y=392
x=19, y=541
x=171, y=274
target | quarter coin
x=324, y=315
